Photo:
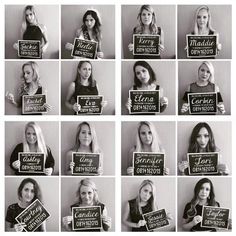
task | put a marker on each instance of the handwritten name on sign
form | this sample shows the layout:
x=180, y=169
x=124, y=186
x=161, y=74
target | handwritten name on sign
x=215, y=217
x=84, y=48
x=34, y=104
x=86, y=218
x=33, y=216
x=202, y=103
x=203, y=163
x=31, y=162
x=155, y=219
x=85, y=163
x=144, y=101
x=90, y=104
x=148, y=163
x=29, y=48
x=146, y=44
x=201, y=45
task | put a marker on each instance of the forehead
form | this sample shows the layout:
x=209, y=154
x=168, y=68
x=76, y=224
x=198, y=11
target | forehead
x=203, y=130
x=203, y=12
x=144, y=128
x=29, y=186
x=85, y=65
x=28, y=12
x=204, y=66
x=139, y=68
x=85, y=127
x=144, y=11
x=27, y=68
x=89, y=17
x=30, y=129
x=147, y=187
x=206, y=185
x=86, y=189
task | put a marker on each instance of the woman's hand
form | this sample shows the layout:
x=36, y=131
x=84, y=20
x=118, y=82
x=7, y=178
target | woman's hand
x=72, y=165
x=66, y=220
x=197, y=219
x=48, y=171
x=10, y=97
x=128, y=104
x=104, y=104
x=16, y=164
x=100, y=55
x=76, y=107
x=106, y=220
x=221, y=107
x=182, y=166
x=131, y=47
x=164, y=101
x=223, y=169
x=218, y=47
x=169, y=216
x=19, y=227
x=161, y=47
x=130, y=170
x=185, y=107
x=100, y=171
x=47, y=106
x=166, y=171
x=69, y=46
x=141, y=223
x=15, y=46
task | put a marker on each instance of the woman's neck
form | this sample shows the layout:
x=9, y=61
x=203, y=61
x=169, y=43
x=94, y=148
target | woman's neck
x=86, y=204
x=32, y=87
x=84, y=82
x=203, y=30
x=202, y=202
x=83, y=148
x=23, y=204
x=142, y=203
x=32, y=147
x=146, y=29
x=146, y=148
x=202, y=83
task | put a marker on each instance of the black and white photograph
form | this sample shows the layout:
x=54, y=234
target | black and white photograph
x=154, y=27
x=30, y=34
x=31, y=88
x=31, y=148
x=89, y=80
x=88, y=31
x=195, y=194
x=81, y=197
x=151, y=138
x=25, y=196
x=199, y=140
x=209, y=28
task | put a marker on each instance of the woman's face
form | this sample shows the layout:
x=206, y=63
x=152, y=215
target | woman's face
x=89, y=22
x=28, y=74
x=142, y=74
x=202, y=18
x=31, y=136
x=85, y=71
x=145, y=193
x=204, y=191
x=204, y=73
x=86, y=195
x=203, y=138
x=85, y=136
x=145, y=135
x=30, y=17
x=28, y=193
x=146, y=17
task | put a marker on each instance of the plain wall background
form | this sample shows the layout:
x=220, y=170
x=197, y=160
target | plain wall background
x=49, y=78
x=50, y=193
x=130, y=188
x=14, y=135
x=106, y=195
x=223, y=139
x=47, y=15
x=166, y=133
x=103, y=73
x=188, y=73
x=72, y=19
x=106, y=142
x=166, y=78
x=166, y=19
x=222, y=187
x=221, y=21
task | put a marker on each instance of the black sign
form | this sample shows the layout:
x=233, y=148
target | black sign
x=29, y=48
x=90, y=104
x=202, y=103
x=146, y=44
x=34, y=104
x=144, y=101
x=148, y=163
x=86, y=218
x=155, y=219
x=85, y=163
x=84, y=48
x=31, y=162
x=203, y=163
x=33, y=216
x=215, y=217
x=201, y=45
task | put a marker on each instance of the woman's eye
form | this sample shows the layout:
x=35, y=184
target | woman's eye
x=150, y=132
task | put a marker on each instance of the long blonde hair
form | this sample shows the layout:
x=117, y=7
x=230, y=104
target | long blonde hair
x=25, y=23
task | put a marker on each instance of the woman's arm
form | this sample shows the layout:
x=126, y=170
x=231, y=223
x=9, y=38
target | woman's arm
x=106, y=220
x=8, y=227
x=161, y=45
x=69, y=165
x=187, y=225
x=43, y=227
x=45, y=38
x=130, y=168
x=11, y=98
x=163, y=101
x=71, y=90
x=100, y=168
x=49, y=163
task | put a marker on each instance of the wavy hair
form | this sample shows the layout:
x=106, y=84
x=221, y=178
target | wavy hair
x=25, y=23
x=210, y=67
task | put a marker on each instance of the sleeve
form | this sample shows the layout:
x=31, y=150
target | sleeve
x=14, y=155
x=219, y=97
x=187, y=207
x=130, y=157
x=50, y=162
x=185, y=97
x=10, y=216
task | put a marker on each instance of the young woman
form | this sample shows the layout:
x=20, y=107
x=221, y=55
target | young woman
x=30, y=85
x=33, y=141
x=28, y=192
x=145, y=79
x=84, y=84
x=147, y=25
x=90, y=30
x=204, y=84
x=85, y=142
x=147, y=140
x=88, y=196
x=202, y=140
x=32, y=30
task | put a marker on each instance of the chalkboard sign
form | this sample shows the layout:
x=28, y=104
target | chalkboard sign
x=155, y=219
x=31, y=162
x=146, y=44
x=148, y=163
x=85, y=218
x=85, y=163
x=144, y=101
x=202, y=103
x=215, y=217
x=34, y=104
x=90, y=104
x=201, y=45
x=84, y=48
x=29, y=48
x=33, y=216
x=203, y=163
